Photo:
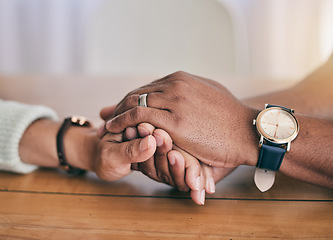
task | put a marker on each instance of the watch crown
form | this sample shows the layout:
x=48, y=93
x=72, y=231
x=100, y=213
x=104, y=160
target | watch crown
x=254, y=122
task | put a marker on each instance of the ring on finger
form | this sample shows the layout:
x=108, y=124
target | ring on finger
x=143, y=100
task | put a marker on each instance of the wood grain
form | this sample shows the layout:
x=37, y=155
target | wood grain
x=56, y=216
x=238, y=185
x=48, y=205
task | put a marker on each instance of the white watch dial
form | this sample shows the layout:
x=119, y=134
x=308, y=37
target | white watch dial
x=277, y=124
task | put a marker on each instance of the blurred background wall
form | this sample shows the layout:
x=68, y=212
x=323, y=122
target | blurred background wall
x=275, y=39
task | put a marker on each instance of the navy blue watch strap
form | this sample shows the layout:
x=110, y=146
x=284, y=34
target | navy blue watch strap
x=271, y=105
x=270, y=157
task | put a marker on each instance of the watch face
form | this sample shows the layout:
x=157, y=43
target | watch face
x=277, y=125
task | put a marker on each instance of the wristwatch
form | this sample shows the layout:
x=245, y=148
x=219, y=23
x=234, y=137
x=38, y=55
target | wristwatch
x=277, y=126
x=67, y=123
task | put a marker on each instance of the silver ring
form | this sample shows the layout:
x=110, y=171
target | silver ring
x=143, y=100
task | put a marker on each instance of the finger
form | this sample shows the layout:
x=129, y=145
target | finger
x=177, y=170
x=131, y=99
x=163, y=141
x=135, y=166
x=148, y=169
x=192, y=170
x=164, y=145
x=163, y=85
x=198, y=196
x=130, y=133
x=159, y=99
x=107, y=112
x=137, y=150
x=209, y=178
x=107, y=166
x=113, y=138
x=145, y=129
x=134, y=116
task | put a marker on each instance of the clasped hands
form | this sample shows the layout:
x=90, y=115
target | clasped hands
x=192, y=134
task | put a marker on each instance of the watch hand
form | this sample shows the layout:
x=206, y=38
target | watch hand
x=277, y=123
x=275, y=131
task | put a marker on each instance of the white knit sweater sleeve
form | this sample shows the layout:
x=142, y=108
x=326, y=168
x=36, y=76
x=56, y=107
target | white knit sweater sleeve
x=14, y=120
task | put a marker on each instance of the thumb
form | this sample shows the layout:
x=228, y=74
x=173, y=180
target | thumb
x=137, y=150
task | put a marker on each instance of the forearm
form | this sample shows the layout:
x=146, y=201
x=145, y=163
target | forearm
x=38, y=145
x=311, y=156
x=313, y=95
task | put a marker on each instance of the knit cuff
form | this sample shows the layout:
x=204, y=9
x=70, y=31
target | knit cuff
x=15, y=118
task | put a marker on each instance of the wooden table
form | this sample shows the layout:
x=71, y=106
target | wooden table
x=47, y=204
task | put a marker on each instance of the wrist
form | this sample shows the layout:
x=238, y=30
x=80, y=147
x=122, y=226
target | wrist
x=38, y=143
x=80, y=144
x=251, y=149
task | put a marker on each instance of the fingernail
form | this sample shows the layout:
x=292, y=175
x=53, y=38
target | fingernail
x=130, y=133
x=144, y=144
x=159, y=140
x=197, y=183
x=143, y=131
x=211, y=185
x=202, y=196
x=172, y=159
x=108, y=124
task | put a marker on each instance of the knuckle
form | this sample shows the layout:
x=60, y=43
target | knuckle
x=176, y=96
x=166, y=179
x=147, y=171
x=179, y=74
x=133, y=92
x=180, y=87
x=184, y=188
x=130, y=100
x=160, y=175
x=135, y=114
x=104, y=156
x=170, y=77
x=108, y=167
x=116, y=121
x=104, y=167
x=163, y=177
x=130, y=151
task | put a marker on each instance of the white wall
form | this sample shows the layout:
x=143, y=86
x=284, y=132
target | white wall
x=43, y=36
x=158, y=37
x=285, y=39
